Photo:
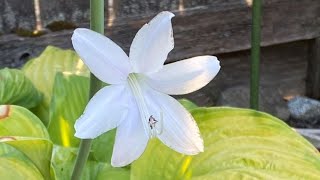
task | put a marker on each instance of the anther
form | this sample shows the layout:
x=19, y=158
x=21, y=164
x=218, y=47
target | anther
x=152, y=122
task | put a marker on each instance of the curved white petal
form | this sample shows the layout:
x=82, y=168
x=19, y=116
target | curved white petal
x=105, y=111
x=104, y=58
x=176, y=127
x=184, y=76
x=130, y=141
x=152, y=43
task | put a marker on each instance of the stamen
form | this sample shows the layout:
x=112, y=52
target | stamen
x=155, y=127
x=144, y=113
x=152, y=125
x=152, y=122
x=160, y=127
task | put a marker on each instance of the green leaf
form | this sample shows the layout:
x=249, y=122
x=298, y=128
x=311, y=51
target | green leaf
x=18, y=121
x=63, y=162
x=102, y=146
x=14, y=165
x=16, y=89
x=160, y=162
x=42, y=71
x=239, y=143
x=26, y=134
x=189, y=105
x=69, y=98
x=37, y=150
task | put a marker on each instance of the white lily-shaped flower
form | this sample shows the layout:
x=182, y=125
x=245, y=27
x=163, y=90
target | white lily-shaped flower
x=136, y=101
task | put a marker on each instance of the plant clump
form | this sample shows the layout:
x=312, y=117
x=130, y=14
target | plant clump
x=61, y=25
x=28, y=33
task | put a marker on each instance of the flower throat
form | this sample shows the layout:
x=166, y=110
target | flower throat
x=151, y=124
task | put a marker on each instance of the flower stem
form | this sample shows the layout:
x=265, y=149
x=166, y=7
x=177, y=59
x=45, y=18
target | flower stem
x=82, y=157
x=255, y=54
x=96, y=24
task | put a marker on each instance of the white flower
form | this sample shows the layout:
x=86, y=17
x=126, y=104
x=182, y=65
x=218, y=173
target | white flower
x=136, y=102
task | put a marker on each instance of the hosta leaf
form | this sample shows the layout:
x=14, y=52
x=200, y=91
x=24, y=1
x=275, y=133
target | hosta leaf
x=17, y=89
x=63, y=161
x=18, y=121
x=187, y=104
x=69, y=98
x=42, y=71
x=26, y=134
x=102, y=146
x=160, y=162
x=239, y=143
x=37, y=150
x=14, y=165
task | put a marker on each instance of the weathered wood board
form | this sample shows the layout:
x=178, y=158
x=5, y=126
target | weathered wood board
x=220, y=27
x=16, y=14
x=283, y=75
x=76, y=11
x=209, y=29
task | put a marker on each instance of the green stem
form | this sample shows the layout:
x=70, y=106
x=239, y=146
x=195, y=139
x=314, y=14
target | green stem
x=97, y=15
x=255, y=54
x=82, y=157
x=96, y=24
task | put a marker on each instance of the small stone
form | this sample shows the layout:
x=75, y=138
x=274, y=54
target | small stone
x=237, y=96
x=303, y=108
x=270, y=100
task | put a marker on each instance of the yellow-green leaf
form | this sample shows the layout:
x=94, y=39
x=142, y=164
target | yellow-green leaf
x=239, y=143
x=17, y=89
x=63, y=162
x=19, y=121
x=37, y=150
x=69, y=98
x=14, y=165
x=26, y=134
x=42, y=71
x=187, y=104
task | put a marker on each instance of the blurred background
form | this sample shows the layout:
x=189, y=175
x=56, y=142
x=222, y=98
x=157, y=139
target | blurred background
x=290, y=62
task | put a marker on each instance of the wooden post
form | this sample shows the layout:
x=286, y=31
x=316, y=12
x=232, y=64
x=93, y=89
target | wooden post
x=313, y=72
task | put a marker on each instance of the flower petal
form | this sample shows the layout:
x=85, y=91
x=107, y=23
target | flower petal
x=104, y=58
x=130, y=141
x=152, y=43
x=177, y=128
x=184, y=76
x=104, y=112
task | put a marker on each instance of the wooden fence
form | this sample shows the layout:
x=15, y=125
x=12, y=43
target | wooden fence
x=290, y=32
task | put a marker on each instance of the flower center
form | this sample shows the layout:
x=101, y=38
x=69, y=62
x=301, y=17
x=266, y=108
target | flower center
x=151, y=124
